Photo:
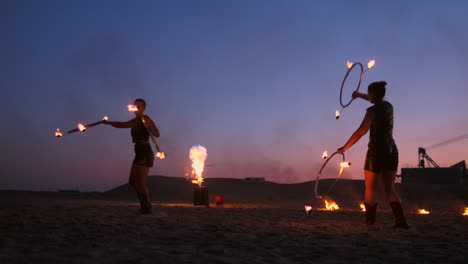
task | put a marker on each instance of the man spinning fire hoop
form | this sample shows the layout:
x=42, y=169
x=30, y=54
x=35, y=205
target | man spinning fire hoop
x=382, y=154
x=141, y=127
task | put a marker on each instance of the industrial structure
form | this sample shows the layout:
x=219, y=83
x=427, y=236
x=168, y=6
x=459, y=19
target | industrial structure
x=428, y=171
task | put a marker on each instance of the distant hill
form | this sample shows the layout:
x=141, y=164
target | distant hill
x=347, y=193
x=177, y=189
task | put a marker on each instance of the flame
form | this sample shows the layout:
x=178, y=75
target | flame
x=465, y=213
x=58, y=133
x=105, y=118
x=198, y=156
x=343, y=165
x=331, y=206
x=337, y=114
x=307, y=209
x=81, y=127
x=371, y=64
x=161, y=155
x=423, y=211
x=132, y=108
x=363, y=207
x=325, y=155
x=349, y=64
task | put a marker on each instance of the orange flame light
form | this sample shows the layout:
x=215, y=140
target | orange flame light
x=198, y=156
x=105, y=118
x=371, y=64
x=337, y=114
x=423, y=211
x=132, y=108
x=325, y=155
x=307, y=209
x=58, y=133
x=331, y=206
x=81, y=127
x=363, y=207
x=343, y=165
x=349, y=64
x=465, y=213
x=161, y=155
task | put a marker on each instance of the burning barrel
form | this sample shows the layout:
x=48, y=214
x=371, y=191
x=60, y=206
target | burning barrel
x=200, y=197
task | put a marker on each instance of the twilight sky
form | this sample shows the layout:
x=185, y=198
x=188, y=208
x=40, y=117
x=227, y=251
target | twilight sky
x=256, y=82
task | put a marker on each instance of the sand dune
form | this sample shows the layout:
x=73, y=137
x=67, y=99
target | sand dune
x=261, y=222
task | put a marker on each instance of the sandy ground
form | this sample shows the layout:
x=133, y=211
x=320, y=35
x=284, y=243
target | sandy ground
x=57, y=228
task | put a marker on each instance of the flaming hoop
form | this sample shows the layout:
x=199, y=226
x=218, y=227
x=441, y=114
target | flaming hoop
x=350, y=66
x=343, y=164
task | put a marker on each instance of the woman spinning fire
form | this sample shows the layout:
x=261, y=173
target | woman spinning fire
x=140, y=126
x=382, y=154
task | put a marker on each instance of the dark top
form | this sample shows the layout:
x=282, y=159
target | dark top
x=381, y=130
x=139, y=131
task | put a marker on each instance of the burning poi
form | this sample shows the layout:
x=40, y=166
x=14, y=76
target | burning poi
x=159, y=154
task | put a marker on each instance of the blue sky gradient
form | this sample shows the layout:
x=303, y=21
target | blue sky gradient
x=255, y=82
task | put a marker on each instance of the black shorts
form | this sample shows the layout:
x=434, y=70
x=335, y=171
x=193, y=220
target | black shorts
x=378, y=161
x=144, y=155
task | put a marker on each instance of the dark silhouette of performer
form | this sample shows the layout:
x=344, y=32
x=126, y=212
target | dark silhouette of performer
x=141, y=127
x=382, y=154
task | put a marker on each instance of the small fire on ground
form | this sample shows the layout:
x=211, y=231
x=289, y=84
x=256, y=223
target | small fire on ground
x=465, y=213
x=423, y=211
x=363, y=207
x=330, y=206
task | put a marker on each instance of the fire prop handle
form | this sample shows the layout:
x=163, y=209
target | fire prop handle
x=86, y=127
x=317, y=196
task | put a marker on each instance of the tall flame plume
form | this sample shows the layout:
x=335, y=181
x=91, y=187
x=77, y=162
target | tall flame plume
x=198, y=156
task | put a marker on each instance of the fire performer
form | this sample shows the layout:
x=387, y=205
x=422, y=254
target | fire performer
x=144, y=156
x=382, y=155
